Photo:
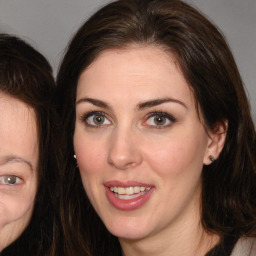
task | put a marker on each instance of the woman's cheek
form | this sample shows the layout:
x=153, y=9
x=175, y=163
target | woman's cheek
x=14, y=207
x=89, y=156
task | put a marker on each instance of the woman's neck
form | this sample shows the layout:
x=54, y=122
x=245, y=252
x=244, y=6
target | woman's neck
x=176, y=244
x=184, y=236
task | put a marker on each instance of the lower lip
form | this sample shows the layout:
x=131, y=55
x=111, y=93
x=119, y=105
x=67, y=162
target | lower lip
x=127, y=205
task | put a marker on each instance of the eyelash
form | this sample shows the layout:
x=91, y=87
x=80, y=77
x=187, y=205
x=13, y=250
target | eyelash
x=84, y=118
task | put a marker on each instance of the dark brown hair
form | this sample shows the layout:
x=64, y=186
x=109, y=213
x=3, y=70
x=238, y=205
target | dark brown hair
x=26, y=75
x=229, y=184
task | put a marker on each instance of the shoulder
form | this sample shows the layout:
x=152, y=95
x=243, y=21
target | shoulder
x=245, y=246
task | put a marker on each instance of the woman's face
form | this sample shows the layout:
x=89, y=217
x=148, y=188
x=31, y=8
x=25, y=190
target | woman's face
x=18, y=167
x=139, y=143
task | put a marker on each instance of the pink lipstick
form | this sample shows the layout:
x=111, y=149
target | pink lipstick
x=129, y=195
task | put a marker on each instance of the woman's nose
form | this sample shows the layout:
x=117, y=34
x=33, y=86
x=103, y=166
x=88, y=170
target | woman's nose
x=124, y=150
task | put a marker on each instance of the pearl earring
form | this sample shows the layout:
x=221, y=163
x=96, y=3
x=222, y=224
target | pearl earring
x=212, y=158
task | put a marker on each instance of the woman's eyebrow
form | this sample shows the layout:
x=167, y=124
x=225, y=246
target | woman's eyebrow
x=140, y=106
x=15, y=159
x=156, y=102
x=95, y=102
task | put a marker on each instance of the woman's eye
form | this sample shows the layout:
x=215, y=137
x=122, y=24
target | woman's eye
x=96, y=119
x=159, y=120
x=10, y=180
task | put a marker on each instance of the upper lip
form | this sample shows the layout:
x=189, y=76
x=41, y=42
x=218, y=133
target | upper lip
x=126, y=184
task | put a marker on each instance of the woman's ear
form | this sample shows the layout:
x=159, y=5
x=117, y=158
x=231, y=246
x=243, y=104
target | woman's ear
x=217, y=138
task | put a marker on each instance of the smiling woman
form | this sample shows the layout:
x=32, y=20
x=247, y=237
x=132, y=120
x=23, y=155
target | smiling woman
x=28, y=170
x=138, y=143
x=154, y=109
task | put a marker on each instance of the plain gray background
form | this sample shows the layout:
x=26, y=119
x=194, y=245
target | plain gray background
x=49, y=24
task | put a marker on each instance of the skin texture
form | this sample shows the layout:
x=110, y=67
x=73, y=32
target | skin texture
x=18, y=158
x=129, y=146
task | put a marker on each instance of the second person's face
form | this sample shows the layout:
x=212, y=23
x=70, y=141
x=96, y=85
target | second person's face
x=139, y=143
x=18, y=167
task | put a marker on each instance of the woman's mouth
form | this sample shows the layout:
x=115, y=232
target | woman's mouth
x=129, y=193
x=127, y=196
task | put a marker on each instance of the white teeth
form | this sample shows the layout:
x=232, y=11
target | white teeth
x=129, y=190
x=128, y=197
x=121, y=191
x=136, y=189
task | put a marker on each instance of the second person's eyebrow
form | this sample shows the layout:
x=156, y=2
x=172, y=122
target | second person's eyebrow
x=15, y=159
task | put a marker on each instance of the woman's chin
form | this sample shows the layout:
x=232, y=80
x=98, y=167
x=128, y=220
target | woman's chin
x=128, y=230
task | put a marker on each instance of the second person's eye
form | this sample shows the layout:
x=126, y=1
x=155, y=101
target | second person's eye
x=9, y=180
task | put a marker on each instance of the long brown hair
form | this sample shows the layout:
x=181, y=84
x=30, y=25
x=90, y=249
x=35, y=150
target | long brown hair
x=26, y=75
x=229, y=184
